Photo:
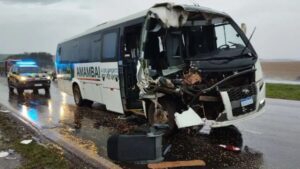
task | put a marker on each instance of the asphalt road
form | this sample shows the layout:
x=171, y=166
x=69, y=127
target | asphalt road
x=271, y=140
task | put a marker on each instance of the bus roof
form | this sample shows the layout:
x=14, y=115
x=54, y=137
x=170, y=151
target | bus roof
x=188, y=8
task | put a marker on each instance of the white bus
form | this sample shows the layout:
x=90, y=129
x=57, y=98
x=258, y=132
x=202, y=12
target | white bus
x=174, y=64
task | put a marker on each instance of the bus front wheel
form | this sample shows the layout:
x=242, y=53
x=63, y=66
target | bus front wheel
x=77, y=96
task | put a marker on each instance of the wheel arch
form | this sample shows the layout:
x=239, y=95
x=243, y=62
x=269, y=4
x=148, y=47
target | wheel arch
x=76, y=82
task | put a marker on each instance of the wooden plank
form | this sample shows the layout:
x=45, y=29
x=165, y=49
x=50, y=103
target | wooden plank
x=174, y=164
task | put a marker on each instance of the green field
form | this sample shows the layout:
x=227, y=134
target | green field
x=283, y=91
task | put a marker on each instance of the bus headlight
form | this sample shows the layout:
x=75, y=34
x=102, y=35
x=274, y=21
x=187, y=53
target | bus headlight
x=23, y=78
x=48, y=78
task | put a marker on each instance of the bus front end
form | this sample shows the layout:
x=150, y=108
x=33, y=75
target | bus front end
x=197, y=66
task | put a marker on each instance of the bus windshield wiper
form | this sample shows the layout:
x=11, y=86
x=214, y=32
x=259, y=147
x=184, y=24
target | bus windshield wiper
x=248, y=42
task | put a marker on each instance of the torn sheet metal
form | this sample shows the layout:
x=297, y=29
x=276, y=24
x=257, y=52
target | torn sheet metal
x=188, y=118
x=170, y=15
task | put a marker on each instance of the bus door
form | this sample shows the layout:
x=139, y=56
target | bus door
x=111, y=93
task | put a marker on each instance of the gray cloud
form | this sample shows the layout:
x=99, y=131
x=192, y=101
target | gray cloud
x=40, y=27
x=42, y=2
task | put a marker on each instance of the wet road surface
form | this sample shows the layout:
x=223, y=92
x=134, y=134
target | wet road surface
x=268, y=141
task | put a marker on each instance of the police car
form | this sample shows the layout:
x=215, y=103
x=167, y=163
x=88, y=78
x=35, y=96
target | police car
x=27, y=75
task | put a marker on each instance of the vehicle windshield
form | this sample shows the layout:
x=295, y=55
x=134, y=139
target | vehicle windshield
x=201, y=40
x=28, y=70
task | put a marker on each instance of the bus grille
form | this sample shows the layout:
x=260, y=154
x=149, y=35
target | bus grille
x=238, y=93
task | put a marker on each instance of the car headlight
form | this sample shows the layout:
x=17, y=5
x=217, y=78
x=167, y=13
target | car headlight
x=48, y=77
x=23, y=78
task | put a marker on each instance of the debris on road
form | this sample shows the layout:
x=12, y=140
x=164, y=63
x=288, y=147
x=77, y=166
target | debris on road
x=4, y=111
x=26, y=141
x=3, y=154
x=140, y=148
x=174, y=164
x=230, y=147
x=71, y=130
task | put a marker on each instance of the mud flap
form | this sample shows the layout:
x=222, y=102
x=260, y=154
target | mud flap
x=188, y=118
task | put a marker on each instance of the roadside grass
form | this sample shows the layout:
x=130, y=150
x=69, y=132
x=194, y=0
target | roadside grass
x=34, y=155
x=38, y=156
x=283, y=91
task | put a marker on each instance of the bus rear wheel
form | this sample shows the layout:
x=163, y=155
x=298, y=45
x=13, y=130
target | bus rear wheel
x=77, y=96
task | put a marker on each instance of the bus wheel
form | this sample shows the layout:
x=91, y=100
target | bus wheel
x=88, y=103
x=77, y=96
x=164, y=115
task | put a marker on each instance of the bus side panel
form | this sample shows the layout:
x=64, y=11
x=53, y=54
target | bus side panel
x=90, y=82
x=111, y=87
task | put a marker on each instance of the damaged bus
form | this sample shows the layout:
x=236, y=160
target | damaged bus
x=178, y=65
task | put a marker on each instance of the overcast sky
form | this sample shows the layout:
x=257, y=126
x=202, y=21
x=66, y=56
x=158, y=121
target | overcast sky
x=39, y=25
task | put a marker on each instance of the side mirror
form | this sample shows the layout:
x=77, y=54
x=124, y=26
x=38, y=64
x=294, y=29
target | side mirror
x=244, y=28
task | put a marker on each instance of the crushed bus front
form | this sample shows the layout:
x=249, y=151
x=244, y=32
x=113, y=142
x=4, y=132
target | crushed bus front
x=197, y=61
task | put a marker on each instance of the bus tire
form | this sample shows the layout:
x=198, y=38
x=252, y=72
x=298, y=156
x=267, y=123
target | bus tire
x=169, y=107
x=77, y=96
x=88, y=103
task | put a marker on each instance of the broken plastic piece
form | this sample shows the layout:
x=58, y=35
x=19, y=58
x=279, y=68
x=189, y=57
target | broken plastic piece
x=187, y=119
x=3, y=154
x=26, y=141
x=230, y=147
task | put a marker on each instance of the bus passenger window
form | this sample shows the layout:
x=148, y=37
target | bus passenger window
x=109, y=48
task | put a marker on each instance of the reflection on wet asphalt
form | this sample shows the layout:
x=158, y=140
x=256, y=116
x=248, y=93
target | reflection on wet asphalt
x=269, y=141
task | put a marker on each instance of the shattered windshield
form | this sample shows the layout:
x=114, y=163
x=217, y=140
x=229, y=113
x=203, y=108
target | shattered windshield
x=199, y=38
x=227, y=37
x=208, y=39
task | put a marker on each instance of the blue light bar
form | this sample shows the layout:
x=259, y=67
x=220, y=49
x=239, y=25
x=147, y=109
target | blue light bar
x=26, y=63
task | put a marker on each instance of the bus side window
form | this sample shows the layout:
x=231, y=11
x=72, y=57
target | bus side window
x=96, y=47
x=109, y=46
